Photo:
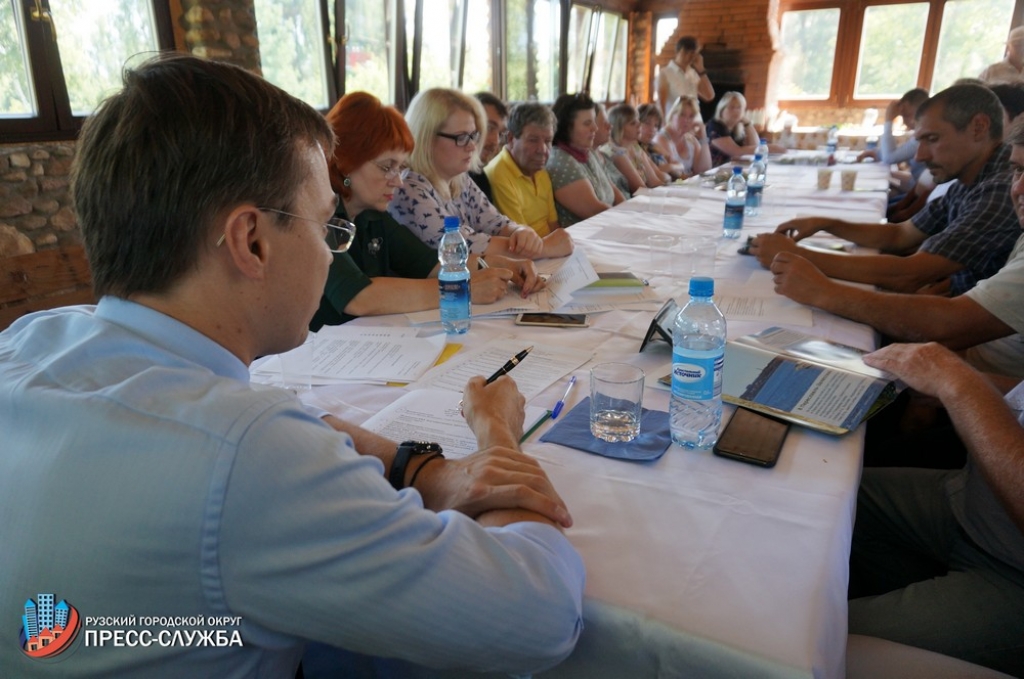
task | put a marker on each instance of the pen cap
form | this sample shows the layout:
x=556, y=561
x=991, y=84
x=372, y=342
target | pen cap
x=451, y=223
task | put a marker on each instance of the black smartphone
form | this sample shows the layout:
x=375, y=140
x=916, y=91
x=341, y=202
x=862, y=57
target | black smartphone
x=553, y=320
x=752, y=437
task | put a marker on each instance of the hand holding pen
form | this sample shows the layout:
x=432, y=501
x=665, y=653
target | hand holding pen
x=504, y=370
x=509, y=364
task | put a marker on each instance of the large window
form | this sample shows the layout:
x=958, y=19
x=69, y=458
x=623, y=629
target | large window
x=890, y=50
x=60, y=59
x=293, y=48
x=532, y=43
x=608, y=79
x=809, y=51
x=973, y=35
x=597, y=53
x=369, y=47
x=898, y=46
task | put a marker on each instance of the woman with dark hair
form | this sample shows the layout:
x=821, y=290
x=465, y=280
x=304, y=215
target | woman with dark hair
x=582, y=188
x=388, y=270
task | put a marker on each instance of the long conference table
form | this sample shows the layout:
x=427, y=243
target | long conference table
x=697, y=566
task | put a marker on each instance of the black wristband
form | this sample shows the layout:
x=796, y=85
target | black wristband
x=702, y=72
x=432, y=456
x=406, y=449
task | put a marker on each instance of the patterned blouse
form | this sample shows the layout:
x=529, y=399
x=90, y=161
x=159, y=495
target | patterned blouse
x=564, y=170
x=633, y=153
x=420, y=208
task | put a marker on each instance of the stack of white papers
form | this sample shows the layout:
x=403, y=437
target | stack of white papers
x=541, y=368
x=433, y=415
x=345, y=354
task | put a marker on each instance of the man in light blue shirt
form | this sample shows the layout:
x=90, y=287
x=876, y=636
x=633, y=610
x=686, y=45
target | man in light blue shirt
x=193, y=525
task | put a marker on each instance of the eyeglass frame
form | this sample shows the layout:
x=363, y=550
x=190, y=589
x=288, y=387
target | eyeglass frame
x=334, y=224
x=461, y=140
x=400, y=171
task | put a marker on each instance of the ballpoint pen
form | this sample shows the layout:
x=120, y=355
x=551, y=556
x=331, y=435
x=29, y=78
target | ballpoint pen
x=561, y=402
x=511, y=363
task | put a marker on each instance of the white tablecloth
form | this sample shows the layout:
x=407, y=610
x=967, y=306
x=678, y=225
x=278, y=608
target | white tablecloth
x=697, y=566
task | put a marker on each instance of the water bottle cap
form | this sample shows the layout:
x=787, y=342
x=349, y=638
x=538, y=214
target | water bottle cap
x=451, y=223
x=757, y=157
x=736, y=169
x=762, y=140
x=702, y=286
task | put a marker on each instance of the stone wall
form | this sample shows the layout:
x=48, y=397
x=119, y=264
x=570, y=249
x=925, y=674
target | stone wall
x=35, y=205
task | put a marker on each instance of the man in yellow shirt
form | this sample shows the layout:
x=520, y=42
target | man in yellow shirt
x=521, y=185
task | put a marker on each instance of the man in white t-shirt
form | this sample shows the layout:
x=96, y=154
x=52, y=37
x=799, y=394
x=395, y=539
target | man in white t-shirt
x=937, y=559
x=685, y=74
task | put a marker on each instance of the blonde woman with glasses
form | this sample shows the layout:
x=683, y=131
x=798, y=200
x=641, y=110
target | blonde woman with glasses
x=387, y=270
x=446, y=126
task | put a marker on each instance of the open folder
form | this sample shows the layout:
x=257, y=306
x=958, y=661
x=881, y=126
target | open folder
x=805, y=380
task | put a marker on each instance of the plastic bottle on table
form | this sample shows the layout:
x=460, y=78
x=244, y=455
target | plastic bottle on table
x=453, y=278
x=755, y=185
x=698, y=355
x=762, y=149
x=735, y=200
x=832, y=144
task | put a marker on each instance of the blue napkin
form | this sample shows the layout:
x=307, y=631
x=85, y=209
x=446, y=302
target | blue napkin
x=574, y=431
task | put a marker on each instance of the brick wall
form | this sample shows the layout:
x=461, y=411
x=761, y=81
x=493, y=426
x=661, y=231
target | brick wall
x=747, y=26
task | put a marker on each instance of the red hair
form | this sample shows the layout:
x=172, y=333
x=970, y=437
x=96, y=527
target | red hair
x=365, y=129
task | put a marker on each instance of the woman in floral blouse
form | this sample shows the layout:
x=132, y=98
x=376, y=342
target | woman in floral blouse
x=582, y=187
x=446, y=125
x=625, y=151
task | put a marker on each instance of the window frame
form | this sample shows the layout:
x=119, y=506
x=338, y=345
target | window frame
x=54, y=120
x=851, y=24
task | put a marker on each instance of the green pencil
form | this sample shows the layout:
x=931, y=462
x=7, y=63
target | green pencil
x=528, y=434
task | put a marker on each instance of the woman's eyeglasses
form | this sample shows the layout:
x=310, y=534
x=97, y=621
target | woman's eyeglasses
x=340, y=232
x=392, y=171
x=461, y=139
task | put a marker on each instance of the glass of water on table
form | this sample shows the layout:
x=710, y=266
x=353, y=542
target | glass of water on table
x=616, y=396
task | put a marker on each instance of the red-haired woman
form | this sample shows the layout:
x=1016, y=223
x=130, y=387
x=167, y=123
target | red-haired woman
x=388, y=270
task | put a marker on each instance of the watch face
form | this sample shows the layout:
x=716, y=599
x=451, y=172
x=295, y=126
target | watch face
x=420, y=447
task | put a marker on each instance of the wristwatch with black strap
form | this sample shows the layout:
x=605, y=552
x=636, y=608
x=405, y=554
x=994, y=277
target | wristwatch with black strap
x=406, y=451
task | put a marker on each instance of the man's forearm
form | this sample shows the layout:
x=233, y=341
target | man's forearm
x=991, y=433
x=957, y=323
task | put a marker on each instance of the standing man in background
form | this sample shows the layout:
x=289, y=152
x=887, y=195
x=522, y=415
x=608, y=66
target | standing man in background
x=685, y=74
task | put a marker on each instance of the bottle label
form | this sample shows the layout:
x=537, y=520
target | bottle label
x=734, y=216
x=754, y=195
x=697, y=377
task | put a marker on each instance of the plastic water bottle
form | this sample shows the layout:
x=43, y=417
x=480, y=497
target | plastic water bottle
x=762, y=150
x=698, y=354
x=735, y=201
x=755, y=185
x=453, y=278
x=833, y=139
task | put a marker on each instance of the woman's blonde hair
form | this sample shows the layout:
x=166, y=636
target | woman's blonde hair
x=724, y=101
x=427, y=114
x=618, y=116
x=677, y=108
